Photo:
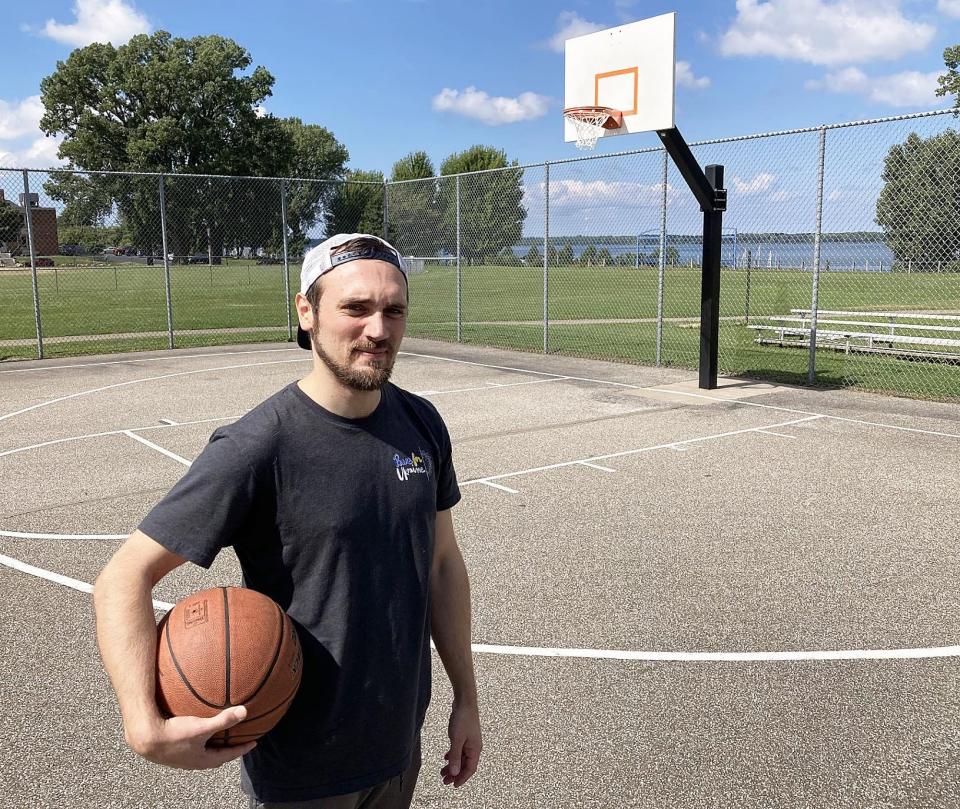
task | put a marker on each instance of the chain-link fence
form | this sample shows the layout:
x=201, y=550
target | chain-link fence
x=840, y=257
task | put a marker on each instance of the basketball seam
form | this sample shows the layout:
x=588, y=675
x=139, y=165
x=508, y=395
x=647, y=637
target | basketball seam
x=226, y=657
x=176, y=664
x=276, y=655
x=234, y=737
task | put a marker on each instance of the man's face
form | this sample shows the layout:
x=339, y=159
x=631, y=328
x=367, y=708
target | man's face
x=359, y=322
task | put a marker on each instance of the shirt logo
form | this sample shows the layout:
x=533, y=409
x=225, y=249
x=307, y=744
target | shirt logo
x=417, y=463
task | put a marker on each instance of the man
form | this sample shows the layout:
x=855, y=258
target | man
x=335, y=494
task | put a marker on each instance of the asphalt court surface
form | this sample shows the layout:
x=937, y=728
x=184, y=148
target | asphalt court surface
x=738, y=598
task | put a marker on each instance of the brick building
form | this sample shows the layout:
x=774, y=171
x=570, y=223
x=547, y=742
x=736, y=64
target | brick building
x=44, y=221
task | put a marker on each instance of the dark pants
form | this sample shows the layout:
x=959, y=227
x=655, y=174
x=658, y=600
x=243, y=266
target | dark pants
x=397, y=793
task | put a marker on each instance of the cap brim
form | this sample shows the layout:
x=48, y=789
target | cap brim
x=303, y=339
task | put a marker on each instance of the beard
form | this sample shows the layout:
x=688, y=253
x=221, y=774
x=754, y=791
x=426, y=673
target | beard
x=373, y=377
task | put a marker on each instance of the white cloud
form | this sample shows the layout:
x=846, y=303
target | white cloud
x=22, y=144
x=38, y=153
x=98, y=21
x=949, y=7
x=493, y=110
x=20, y=118
x=685, y=77
x=757, y=184
x=583, y=193
x=908, y=89
x=824, y=32
x=570, y=24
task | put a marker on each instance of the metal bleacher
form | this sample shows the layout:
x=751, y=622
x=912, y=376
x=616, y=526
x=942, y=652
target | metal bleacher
x=928, y=336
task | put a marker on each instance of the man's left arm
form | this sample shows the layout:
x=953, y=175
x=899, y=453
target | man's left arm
x=450, y=627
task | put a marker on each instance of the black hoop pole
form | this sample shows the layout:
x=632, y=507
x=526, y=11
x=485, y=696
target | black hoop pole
x=708, y=188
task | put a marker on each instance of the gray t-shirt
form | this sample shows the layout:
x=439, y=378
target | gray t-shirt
x=334, y=519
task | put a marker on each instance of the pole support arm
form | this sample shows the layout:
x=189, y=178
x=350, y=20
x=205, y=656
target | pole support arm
x=707, y=188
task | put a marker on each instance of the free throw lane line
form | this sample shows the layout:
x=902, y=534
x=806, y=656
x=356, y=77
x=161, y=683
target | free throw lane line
x=158, y=448
x=677, y=445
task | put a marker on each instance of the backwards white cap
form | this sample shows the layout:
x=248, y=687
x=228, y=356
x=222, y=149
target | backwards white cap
x=320, y=260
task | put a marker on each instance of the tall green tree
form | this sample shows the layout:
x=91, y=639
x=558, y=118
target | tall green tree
x=919, y=205
x=356, y=204
x=173, y=105
x=413, y=214
x=318, y=158
x=491, y=204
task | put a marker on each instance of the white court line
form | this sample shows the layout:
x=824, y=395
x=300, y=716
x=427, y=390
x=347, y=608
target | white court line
x=138, y=381
x=24, y=535
x=66, y=581
x=597, y=654
x=113, y=432
x=158, y=448
x=731, y=657
x=496, y=486
x=719, y=400
x=168, y=422
x=490, y=386
x=672, y=445
x=146, y=359
x=597, y=466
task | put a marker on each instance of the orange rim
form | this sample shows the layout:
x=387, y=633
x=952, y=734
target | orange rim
x=614, y=119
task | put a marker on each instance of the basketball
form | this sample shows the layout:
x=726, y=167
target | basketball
x=228, y=646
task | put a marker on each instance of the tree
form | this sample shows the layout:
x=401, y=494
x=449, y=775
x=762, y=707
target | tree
x=589, y=256
x=172, y=105
x=949, y=82
x=919, y=205
x=11, y=222
x=491, y=204
x=356, y=205
x=565, y=256
x=534, y=257
x=673, y=257
x=603, y=257
x=318, y=157
x=413, y=214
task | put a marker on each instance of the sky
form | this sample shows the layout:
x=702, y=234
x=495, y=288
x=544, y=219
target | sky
x=389, y=77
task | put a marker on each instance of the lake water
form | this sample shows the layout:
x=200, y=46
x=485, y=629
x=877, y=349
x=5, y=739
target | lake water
x=856, y=256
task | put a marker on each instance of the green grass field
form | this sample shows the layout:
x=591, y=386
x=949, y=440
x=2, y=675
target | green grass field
x=122, y=307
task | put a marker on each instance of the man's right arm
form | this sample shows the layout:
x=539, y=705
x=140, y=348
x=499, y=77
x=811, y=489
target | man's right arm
x=127, y=636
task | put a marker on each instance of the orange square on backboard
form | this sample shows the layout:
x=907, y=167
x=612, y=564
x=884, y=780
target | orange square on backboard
x=626, y=74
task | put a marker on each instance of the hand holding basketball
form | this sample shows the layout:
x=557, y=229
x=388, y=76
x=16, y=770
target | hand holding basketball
x=182, y=741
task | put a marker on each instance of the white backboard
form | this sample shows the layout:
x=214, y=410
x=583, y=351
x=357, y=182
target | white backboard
x=630, y=67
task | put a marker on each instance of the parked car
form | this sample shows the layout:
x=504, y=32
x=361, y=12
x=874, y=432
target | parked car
x=70, y=250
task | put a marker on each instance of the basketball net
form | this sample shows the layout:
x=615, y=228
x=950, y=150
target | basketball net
x=589, y=127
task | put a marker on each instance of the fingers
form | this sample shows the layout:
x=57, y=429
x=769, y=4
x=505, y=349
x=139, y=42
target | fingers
x=462, y=762
x=221, y=755
x=226, y=719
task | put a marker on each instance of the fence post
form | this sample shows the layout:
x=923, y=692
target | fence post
x=746, y=302
x=663, y=257
x=459, y=335
x=166, y=261
x=386, y=206
x=28, y=215
x=546, y=263
x=812, y=360
x=286, y=259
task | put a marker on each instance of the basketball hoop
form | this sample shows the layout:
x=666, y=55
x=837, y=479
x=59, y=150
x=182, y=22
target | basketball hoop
x=590, y=122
